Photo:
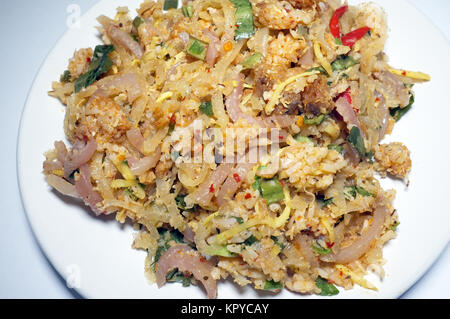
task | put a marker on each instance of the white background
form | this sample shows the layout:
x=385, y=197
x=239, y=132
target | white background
x=30, y=28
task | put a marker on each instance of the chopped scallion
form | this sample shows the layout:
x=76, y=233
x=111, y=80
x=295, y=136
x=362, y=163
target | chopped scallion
x=170, y=4
x=197, y=48
x=251, y=61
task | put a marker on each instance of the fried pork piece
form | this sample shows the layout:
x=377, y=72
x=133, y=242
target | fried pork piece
x=393, y=158
x=102, y=117
x=283, y=15
x=316, y=97
x=303, y=4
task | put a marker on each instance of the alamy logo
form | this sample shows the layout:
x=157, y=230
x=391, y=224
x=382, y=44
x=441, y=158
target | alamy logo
x=74, y=18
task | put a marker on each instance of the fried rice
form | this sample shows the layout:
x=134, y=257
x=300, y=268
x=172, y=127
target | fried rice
x=243, y=138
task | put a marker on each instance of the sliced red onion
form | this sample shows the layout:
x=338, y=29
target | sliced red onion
x=392, y=81
x=173, y=70
x=233, y=182
x=189, y=234
x=135, y=138
x=232, y=104
x=212, y=51
x=345, y=109
x=233, y=100
x=80, y=155
x=207, y=189
x=384, y=115
x=121, y=37
x=141, y=166
x=352, y=154
x=128, y=82
x=62, y=186
x=186, y=259
x=305, y=244
x=361, y=245
x=307, y=59
x=61, y=151
x=84, y=188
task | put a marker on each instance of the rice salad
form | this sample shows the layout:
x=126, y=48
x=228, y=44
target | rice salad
x=243, y=138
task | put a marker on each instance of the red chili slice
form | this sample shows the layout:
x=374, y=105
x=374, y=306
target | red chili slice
x=350, y=38
x=347, y=96
x=237, y=178
x=335, y=28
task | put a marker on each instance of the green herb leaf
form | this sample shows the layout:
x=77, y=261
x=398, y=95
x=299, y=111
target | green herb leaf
x=315, y=120
x=272, y=190
x=181, y=204
x=273, y=285
x=206, y=108
x=319, y=249
x=252, y=61
x=244, y=19
x=176, y=236
x=395, y=225
x=324, y=202
x=137, y=22
x=369, y=156
x=363, y=192
x=177, y=276
x=135, y=38
x=165, y=236
x=277, y=242
x=130, y=194
x=250, y=241
x=219, y=250
x=188, y=11
x=335, y=147
x=318, y=68
x=326, y=288
x=159, y=252
x=355, y=138
x=99, y=65
x=257, y=184
x=302, y=139
x=239, y=220
x=65, y=77
x=398, y=112
x=350, y=192
x=343, y=63
x=197, y=48
x=170, y=4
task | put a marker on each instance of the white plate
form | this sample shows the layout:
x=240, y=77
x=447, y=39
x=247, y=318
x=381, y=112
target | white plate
x=95, y=254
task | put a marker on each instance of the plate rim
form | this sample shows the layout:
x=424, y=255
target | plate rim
x=401, y=289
